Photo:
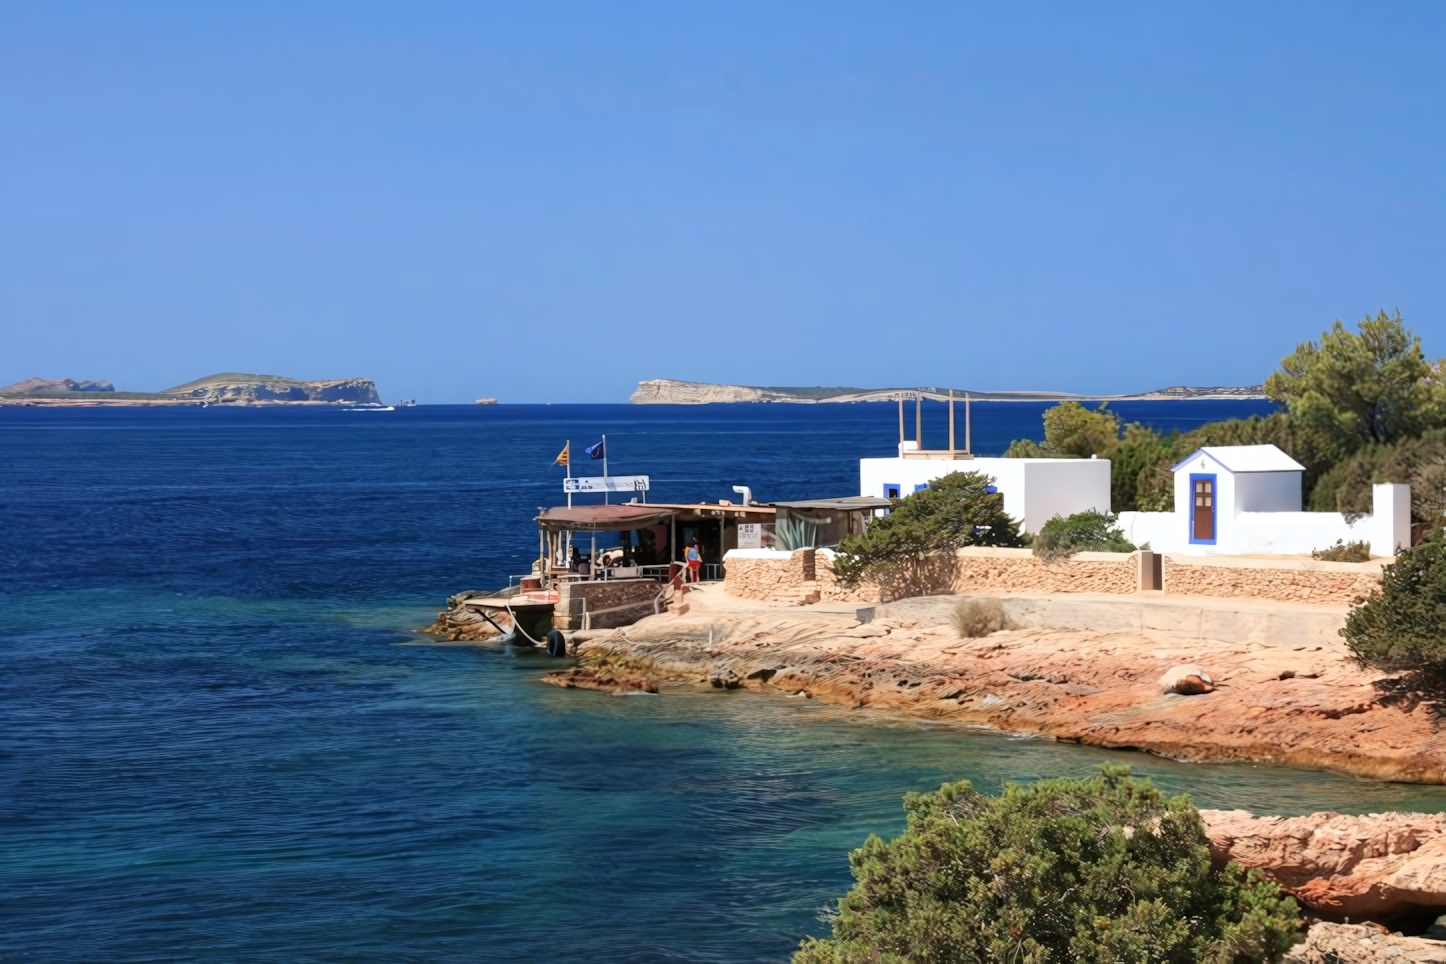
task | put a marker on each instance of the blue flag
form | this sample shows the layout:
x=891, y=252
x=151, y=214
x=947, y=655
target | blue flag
x=598, y=451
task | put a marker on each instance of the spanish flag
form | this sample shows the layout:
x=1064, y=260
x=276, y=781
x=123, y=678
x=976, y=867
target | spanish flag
x=563, y=457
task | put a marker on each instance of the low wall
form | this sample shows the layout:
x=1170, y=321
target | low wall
x=1275, y=533
x=604, y=604
x=766, y=574
x=981, y=569
x=1284, y=580
x=776, y=576
x=783, y=577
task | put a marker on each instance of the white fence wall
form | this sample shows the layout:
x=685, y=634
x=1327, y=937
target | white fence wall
x=1274, y=533
x=1387, y=529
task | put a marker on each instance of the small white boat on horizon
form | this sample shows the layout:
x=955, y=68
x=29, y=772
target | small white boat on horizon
x=371, y=407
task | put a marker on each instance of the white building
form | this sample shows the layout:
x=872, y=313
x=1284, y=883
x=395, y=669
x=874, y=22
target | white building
x=1243, y=499
x=1034, y=490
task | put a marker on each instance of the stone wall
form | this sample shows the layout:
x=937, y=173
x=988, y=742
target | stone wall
x=1282, y=579
x=610, y=603
x=866, y=591
x=782, y=577
x=980, y=569
x=765, y=574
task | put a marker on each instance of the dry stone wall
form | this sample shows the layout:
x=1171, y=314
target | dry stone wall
x=1020, y=570
x=780, y=577
x=1286, y=580
x=783, y=577
x=776, y=577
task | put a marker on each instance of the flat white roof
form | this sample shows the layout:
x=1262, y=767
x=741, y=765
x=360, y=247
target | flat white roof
x=1245, y=458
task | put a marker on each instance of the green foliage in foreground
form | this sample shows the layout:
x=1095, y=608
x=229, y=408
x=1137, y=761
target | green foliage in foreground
x=1087, y=531
x=1105, y=870
x=954, y=511
x=1401, y=628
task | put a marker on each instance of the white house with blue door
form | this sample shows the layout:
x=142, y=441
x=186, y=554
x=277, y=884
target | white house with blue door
x=1246, y=499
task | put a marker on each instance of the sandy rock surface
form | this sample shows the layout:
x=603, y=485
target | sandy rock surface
x=1306, y=706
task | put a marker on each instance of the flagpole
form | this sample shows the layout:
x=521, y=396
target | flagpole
x=606, y=500
x=567, y=546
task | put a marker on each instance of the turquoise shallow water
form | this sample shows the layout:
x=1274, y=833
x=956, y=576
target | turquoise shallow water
x=222, y=740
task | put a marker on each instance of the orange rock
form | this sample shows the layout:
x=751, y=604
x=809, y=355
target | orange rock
x=1306, y=707
x=1378, y=866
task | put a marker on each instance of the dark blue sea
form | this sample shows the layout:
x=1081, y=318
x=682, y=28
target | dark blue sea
x=223, y=740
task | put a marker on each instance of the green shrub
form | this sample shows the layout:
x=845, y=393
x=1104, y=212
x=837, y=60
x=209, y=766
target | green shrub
x=954, y=511
x=1102, y=870
x=1403, y=628
x=1343, y=551
x=1027, y=448
x=1087, y=531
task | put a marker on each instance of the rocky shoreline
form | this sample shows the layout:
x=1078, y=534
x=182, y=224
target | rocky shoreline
x=1304, y=705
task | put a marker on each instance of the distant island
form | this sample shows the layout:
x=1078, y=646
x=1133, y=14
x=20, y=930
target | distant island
x=667, y=391
x=227, y=388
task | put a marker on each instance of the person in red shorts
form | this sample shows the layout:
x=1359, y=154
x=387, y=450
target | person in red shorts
x=695, y=561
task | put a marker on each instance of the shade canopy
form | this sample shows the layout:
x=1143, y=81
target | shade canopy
x=853, y=503
x=601, y=518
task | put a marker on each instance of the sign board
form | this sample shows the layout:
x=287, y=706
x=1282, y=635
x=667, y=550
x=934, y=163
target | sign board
x=606, y=483
x=750, y=535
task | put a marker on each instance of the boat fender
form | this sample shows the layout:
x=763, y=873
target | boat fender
x=556, y=643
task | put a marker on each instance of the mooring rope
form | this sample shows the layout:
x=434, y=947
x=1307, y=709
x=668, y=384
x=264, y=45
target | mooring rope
x=517, y=625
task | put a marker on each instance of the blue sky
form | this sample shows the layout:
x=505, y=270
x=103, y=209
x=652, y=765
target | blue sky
x=549, y=202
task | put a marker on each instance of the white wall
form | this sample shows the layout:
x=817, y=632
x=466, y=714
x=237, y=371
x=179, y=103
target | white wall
x=1161, y=531
x=1270, y=533
x=1243, y=531
x=1034, y=490
x=1391, y=519
x=1387, y=529
x=1268, y=492
x=1063, y=487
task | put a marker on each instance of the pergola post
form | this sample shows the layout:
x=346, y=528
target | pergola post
x=951, y=423
x=919, y=421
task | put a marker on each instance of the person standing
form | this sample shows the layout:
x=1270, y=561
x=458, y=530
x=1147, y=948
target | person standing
x=695, y=562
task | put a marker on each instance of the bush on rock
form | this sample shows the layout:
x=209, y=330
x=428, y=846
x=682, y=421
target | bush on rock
x=979, y=617
x=1100, y=870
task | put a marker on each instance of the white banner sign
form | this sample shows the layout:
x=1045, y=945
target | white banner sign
x=606, y=483
x=750, y=535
